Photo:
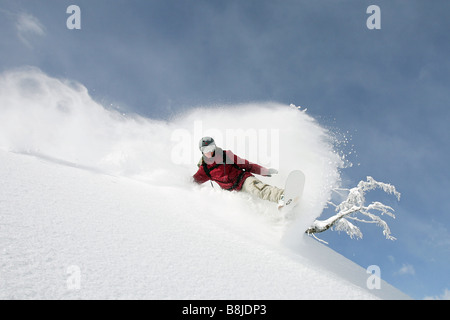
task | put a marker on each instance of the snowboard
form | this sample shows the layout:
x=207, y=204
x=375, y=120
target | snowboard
x=293, y=190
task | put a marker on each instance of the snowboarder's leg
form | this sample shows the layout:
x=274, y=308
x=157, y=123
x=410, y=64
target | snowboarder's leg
x=262, y=190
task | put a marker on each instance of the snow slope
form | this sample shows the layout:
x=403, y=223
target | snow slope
x=95, y=204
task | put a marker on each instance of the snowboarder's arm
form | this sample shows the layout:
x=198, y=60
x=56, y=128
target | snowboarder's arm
x=200, y=177
x=249, y=166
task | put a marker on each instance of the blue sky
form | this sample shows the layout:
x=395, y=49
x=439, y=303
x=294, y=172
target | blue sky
x=387, y=89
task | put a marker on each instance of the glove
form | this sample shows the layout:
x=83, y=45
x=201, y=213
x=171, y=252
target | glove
x=270, y=172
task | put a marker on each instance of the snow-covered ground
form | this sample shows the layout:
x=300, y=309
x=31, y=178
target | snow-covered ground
x=129, y=239
x=97, y=205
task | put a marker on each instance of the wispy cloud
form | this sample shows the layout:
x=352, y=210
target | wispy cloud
x=444, y=296
x=29, y=27
x=406, y=269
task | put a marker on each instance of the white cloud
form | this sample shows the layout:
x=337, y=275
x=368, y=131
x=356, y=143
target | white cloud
x=406, y=269
x=29, y=27
x=444, y=296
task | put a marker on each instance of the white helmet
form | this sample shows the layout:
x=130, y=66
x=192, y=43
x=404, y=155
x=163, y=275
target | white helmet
x=207, y=144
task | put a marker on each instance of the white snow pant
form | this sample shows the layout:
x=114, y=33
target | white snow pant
x=262, y=190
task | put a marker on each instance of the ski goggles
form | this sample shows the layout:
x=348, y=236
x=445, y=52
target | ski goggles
x=209, y=148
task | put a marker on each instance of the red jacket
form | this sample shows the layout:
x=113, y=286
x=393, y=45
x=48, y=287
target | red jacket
x=227, y=169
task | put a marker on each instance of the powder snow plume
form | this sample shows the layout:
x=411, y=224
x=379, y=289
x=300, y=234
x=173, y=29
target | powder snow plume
x=56, y=119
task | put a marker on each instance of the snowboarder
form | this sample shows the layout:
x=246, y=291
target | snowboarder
x=235, y=174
